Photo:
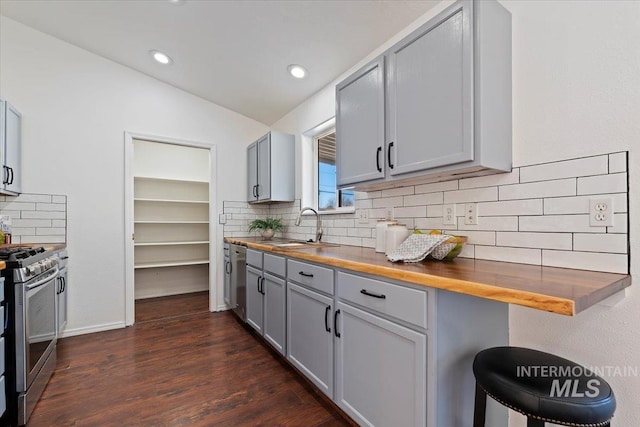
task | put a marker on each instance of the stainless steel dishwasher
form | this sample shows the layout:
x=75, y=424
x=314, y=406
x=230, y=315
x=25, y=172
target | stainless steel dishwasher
x=238, y=256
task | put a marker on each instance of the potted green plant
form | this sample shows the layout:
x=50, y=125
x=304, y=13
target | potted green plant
x=267, y=226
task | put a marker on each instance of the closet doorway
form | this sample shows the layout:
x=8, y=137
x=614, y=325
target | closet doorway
x=170, y=200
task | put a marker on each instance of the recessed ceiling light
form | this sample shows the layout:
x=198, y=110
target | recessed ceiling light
x=177, y=2
x=297, y=71
x=162, y=58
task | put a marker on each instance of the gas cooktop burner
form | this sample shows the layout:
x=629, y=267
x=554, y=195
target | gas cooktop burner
x=20, y=253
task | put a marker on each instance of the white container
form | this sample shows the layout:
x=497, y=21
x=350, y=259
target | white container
x=381, y=233
x=394, y=236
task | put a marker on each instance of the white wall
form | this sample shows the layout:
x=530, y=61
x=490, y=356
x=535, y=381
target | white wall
x=576, y=92
x=76, y=107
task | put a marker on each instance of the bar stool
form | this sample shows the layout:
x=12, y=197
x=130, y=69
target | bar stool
x=544, y=387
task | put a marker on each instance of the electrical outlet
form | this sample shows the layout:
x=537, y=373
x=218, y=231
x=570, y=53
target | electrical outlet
x=222, y=219
x=363, y=216
x=449, y=215
x=601, y=212
x=471, y=214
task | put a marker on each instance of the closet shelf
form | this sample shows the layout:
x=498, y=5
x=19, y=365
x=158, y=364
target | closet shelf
x=202, y=202
x=170, y=222
x=160, y=264
x=187, y=181
x=195, y=242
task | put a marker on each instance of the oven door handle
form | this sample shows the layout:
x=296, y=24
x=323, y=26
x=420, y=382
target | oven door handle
x=43, y=281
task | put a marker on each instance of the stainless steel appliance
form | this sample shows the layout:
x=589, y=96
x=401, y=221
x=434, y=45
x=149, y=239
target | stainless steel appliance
x=238, y=271
x=31, y=280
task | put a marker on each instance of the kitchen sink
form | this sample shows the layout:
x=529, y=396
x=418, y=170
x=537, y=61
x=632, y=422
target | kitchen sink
x=300, y=244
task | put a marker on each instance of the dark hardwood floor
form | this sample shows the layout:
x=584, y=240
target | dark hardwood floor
x=200, y=369
x=172, y=306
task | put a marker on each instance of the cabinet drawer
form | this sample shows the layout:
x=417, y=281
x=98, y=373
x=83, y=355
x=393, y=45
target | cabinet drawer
x=254, y=258
x=319, y=278
x=1, y=355
x=1, y=289
x=275, y=265
x=402, y=303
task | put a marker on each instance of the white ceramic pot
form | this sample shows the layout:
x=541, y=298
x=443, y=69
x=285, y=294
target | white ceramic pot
x=267, y=234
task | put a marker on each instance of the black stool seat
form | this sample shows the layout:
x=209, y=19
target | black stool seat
x=543, y=386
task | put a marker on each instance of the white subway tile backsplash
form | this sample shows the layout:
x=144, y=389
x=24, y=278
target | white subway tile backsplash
x=43, y=214
x=51, y=231
x=619, y=224
x=534, y=190
x=618, y=162
x=487, y=194
x=603, y=184
x=17, y=206
x=559, y=224
x=491, y=180
x=43, y=198
x=410, y=212
x=511, y=207
x=31, y=223
x=580, y=204
x=424, y=199
x=487, y=238
x=519, y=255
x=533, y=215
x=436, y=186
x=570, y=168
x=402, y=191
x=615, y=263
x=42, y=239
x=535, y=240
x=491, y=223
x=51, y=207
x=387, y=202
x=613, y=243
x=58, y=199
x=23, y=230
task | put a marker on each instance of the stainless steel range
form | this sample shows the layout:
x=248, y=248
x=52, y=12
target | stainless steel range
x=30, y=294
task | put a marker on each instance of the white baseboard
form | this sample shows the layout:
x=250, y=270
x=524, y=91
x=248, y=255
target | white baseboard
x=91, y=329
x=223, y=307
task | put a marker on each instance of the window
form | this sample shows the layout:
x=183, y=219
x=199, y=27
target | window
x=329, y=198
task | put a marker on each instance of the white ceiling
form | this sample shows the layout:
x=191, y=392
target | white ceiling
x=233, y=53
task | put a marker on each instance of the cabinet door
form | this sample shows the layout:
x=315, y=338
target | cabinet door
x=381, y=370
x=252, y=172
x=310, y=335
x=275, y=311
x=264, y=168
x=360, y=154
x=254, y=299
x=227, y=281
x=62, y=301
x=12, y=137
x=430, y=94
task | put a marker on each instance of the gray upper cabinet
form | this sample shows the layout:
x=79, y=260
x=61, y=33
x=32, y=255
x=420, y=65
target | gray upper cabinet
x=447, y=107
x=430, y=93
x=10, y=148
x=271, y=168
x=360, y=125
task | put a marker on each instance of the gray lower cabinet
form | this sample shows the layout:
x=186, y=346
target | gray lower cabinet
x=310, y=335
x=227, y=276
x=255, y=304
x=275, y=310
x=266, y=298
x=381, y=370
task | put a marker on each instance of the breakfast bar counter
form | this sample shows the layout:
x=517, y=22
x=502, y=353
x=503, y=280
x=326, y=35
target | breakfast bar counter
x=557, y=290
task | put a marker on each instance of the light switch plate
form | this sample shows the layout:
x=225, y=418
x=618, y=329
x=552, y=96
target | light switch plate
x=363, y=216
x=222, y=218
x=449, y=214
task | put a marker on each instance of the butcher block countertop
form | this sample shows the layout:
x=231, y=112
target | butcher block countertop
x=557, y=290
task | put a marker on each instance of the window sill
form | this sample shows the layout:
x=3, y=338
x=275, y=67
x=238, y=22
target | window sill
x=334, y=212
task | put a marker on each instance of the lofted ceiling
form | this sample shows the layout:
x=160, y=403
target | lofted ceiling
x=232, y=53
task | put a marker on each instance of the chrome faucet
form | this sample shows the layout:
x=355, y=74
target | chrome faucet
x=318, y=224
